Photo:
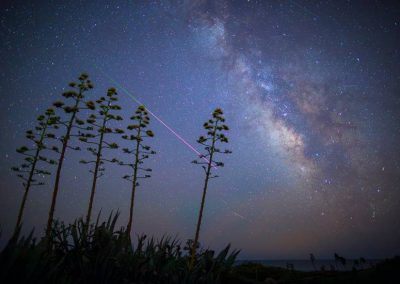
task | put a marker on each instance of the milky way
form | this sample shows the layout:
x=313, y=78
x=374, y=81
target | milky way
x=310, y=91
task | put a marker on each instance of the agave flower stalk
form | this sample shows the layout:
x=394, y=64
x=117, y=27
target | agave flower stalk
x=140, y=153
x=28, y=170
x=215, y=128
x=77, y=96
x=105, y=116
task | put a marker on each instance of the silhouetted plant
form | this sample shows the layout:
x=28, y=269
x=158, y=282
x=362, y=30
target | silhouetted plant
x=33, y=154
x=312, y=259
x=100, y=124
x=290, y=266
x=356, y=264
x=340, y=259
x=140, y=153
x=104, y=254
x=72, y=121
x=215, y=128
x=362, y=262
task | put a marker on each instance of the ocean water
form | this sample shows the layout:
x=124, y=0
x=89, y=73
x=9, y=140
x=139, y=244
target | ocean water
x=306, y=265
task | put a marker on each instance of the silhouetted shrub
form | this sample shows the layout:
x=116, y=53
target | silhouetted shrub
x=103, y=254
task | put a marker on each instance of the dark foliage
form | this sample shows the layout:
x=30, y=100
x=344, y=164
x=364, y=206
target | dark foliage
x=103, y=254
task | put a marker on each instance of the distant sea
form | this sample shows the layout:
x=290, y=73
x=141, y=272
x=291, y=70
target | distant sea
x=306, y=265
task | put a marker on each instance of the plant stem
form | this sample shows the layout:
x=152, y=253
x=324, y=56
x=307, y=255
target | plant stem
x=203, y=198
x=135, y=168
x=96, y=170
x=29, y=181
x=59, y=167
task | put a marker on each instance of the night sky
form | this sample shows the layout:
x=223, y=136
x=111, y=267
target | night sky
x=310, y=90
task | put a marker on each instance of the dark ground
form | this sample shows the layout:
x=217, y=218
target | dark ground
x=387, y=271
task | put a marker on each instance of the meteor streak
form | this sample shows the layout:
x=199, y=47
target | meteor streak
x=234, y=212
x=156, y=117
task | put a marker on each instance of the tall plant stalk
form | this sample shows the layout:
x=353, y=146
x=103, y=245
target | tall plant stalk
x=140, y=152
x=106, y=105
x=29, y=168
x=215, y=128
x=77, y=95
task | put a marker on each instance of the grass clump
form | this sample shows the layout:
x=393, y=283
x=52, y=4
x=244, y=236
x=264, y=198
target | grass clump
x=101, y=253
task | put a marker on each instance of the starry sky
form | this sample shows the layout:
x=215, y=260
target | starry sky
x=310, y=90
